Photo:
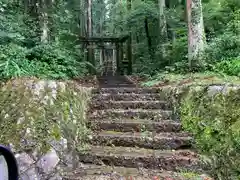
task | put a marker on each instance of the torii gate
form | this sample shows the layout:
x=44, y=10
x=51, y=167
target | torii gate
x=114, y=65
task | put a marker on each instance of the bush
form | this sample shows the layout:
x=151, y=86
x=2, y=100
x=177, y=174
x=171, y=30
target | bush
x=11, y=58
x=226, y=46
x=215, y=123
x=57, y=62
x=45, y=61
x=229, y=67
x=177, y=59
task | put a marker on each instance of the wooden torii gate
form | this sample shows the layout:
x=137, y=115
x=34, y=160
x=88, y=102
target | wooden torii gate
x=119, y=60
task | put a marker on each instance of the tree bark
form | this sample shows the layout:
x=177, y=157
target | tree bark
x=90, y=55
x=51, y=5
x=82, y=18
x=149, y=40
x=44, y=22
x=196, y=36
x=89, y=18
x=129, y=42
x=162, y=20
x=26, y=6
x=100, y=16
x=162, y=26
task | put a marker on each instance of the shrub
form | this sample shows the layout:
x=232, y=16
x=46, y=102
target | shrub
x=226, y=46
x=229, y=67
x=45, y=61
x=215, y=123
x=56, y=62
x=11, y=57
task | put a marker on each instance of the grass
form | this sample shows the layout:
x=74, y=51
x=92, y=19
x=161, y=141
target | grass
x=166, y=79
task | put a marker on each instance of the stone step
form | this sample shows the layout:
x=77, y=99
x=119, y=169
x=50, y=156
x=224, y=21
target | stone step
x=127, y=97
x=143, y=140
x=126, y=90
x=156, y=115
x=141, y=158
x=113, y=78
x=135, y=125
x=119, y=83
x=113, y=85
x=130, y=105
x=95, y=172
x=115, y=82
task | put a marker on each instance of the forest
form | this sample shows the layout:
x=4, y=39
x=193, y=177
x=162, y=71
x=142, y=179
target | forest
x=166, y=40
x=41, y=37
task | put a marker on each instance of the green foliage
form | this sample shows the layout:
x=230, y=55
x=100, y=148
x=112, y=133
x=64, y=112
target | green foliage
x=226, y=46
x=45, y=61
x=21, y=27
x=219, y=14
x=142, y=10
x=35, y=116
x=178, y=61
x=11, y=57
x=229, y=67
x=140, y=67
x=22, y=52
x=175, y=79
x=221, y=20
x=57, y=62
x=215, y=124
x=223, y=29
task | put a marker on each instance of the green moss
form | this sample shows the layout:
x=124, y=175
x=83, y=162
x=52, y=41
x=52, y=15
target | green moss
x=215, y=124
x=42, y=118
x=189, y=175
x=171, y=79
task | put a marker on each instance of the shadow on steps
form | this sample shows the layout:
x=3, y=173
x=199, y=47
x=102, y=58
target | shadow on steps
x=114, y=81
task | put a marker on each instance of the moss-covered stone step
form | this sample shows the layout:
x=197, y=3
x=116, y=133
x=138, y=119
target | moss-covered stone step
x=135, y=125
x=130, y=105
x=156, y=115
x=143, y=140
x=94, y=172
x=127, y=97
x=141, y=158
x=126, y=90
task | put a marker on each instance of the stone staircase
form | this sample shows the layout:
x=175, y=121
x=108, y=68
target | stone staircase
x=134, y=135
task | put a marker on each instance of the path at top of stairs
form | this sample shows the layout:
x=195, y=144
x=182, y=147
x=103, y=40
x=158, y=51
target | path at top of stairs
x=134, y=134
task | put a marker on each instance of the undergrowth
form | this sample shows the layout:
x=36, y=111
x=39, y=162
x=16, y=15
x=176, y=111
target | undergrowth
x=48, y=61
x=175, y=79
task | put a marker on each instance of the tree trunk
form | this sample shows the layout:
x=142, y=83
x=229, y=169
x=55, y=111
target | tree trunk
x=100, y=16
x=89, y=18
x=90, y=55
x=82, y=18
x=114, y=65
x=26, y=6
x=196, y=36
x=51, y=26
x=129, y=42
x=149, y=40
x=82, y=22
x=43, y=22
x=162, y=20
x=162, y=26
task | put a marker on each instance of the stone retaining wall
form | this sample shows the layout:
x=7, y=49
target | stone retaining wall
x=35, y=164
